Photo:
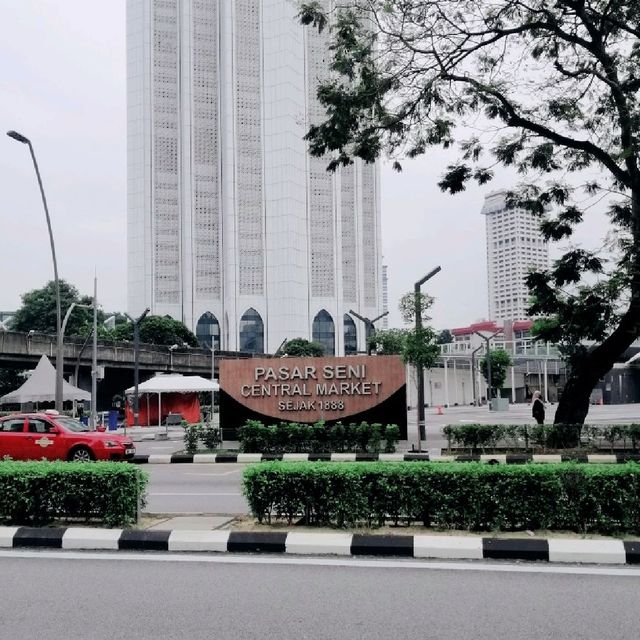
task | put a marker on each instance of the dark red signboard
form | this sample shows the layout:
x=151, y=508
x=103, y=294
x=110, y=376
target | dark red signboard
x=350, y=389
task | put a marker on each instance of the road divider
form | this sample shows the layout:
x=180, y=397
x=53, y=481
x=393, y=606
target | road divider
x=557, y=550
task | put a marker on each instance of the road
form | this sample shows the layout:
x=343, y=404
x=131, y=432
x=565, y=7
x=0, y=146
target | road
x=52, y=595
x=195, y=488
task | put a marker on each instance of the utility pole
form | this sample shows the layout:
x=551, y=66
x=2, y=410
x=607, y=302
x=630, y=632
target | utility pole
x=93, y=421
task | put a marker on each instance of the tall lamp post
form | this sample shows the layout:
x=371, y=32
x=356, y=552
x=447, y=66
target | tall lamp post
x=422, y=432
x=59, y=344
x=136, y=364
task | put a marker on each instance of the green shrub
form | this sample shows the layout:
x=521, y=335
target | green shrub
x=544, y=436
x=190, y=437
x=210, y=437
x=584, y=498
x=287, y=437
x=36, y=493
x=391, y=437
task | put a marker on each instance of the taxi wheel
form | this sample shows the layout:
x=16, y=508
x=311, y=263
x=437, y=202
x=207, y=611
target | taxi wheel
x=81, y=454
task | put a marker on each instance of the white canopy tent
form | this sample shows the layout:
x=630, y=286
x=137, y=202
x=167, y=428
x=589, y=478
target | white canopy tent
x=174, y=383
x=40, y=386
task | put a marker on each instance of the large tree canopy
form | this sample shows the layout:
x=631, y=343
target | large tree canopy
x=38, y=310
x=547, y=88
x=160, y=330
x=302, y=347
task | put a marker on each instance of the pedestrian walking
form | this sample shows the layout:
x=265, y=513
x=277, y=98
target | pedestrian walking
x=537, y=407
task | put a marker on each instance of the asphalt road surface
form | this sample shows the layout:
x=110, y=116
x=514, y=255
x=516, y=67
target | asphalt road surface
x=51, y=595
x=195, y=488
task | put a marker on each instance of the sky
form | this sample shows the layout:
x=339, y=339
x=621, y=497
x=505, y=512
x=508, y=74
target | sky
x=63, y=85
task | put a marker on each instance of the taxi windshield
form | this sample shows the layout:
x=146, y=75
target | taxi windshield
x=70, y=424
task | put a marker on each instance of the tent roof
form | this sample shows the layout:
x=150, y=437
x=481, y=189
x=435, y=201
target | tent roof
x=40, y=386
x=175, y=383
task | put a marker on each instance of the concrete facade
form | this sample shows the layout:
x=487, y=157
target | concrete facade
x=232, y=227
x=514, y=245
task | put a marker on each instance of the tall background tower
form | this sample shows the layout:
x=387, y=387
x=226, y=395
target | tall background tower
x=232, y=227
x=514, y=247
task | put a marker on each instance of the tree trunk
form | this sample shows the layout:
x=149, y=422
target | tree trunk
x=574, y=402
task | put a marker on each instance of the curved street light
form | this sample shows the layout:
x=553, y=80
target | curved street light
x=59, y=344
x=422, y=429
x=136, y=364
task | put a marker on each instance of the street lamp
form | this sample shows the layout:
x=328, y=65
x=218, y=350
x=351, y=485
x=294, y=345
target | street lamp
x=487, y=340
x=136, y=366
x=172, y=348
x=422, y=433
x=59, y=345
x=369, y=326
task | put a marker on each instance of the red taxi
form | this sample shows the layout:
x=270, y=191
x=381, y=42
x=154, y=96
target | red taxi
x=49, y=435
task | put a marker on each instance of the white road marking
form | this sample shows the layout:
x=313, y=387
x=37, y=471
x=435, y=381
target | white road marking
x=194, y=494
x=480, y=565
x=222, y=473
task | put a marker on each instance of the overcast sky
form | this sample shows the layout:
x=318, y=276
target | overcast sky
x=63, y=85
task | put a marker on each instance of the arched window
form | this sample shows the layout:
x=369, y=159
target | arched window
x=208, y=331
x=350, y=335
x=324, y=332
x=251, y=332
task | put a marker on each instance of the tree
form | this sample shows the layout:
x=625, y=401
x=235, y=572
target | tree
x=414, y=346
x=420, y=347
x=407, y=306
x=500, y=360
x=552, y=90
x=388, y=341
x=301, y=347
x=10, y=380
x=445, y=337
x=160, y=330
x=38, y=310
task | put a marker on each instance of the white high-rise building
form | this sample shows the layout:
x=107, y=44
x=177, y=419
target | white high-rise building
x=385, y=295
x=232, y=227
x=514, y=247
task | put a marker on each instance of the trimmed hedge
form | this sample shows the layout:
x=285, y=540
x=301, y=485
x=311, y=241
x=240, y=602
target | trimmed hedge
x=594, y=498
x=545, y=436
x=36, y=493
x=292, y=437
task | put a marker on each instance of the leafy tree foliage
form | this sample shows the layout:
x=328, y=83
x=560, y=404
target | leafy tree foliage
x=550, y=89
x=10, y=380
x=302, y=347
x=160, y=330
x=500, y=360
x=388, y=342
x=38, y=310
x=445, y=337
x=418, y=347
x=407, y=306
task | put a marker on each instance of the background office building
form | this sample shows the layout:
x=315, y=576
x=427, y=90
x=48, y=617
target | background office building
x=232, y=227
x=514, y=247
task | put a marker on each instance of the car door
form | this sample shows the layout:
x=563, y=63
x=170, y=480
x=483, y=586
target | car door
x=42, y=440
x=12, y=438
